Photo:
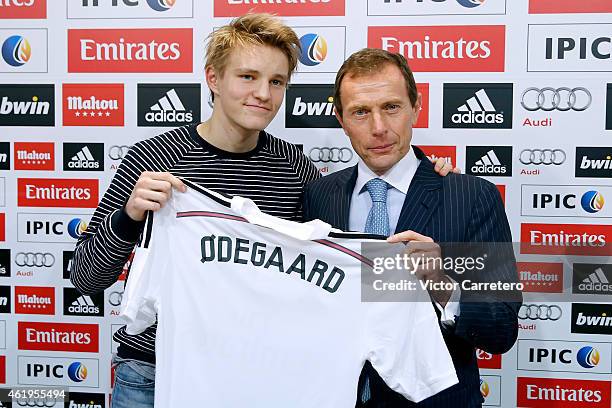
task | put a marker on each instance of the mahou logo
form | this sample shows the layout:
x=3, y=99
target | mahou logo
x=444, y=48
x=542, y=277
x=93, y=104
x=34, y=155
x=68, y=193
x=569, y=6
x=234, y=8
x=23, y=9
x=571, y=239
x=58, y=336
x=130, y=50
x=566, y=393
x=35, y=300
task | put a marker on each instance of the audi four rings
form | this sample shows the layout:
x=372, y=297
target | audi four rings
x=35, y=259
x=330, y=154
x=542, y=156
x=117, y=152
x=561, y=99
x=114, y=298
x=540, y=312
x=35, y=402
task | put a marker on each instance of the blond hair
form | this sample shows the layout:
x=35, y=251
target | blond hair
x=252, y=29
x=369, y=61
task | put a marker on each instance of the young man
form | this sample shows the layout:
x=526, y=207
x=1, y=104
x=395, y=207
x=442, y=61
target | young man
x=249, y=64
x=395, y=189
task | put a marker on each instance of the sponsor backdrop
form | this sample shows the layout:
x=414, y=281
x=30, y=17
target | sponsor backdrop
x=517, y=92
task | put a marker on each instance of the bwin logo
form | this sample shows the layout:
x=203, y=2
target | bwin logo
x=313, y=108
x=35, y=107
x=477, y=109
x=79, y=405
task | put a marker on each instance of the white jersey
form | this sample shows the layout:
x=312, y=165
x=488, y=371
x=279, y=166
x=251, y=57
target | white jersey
x=256, y=311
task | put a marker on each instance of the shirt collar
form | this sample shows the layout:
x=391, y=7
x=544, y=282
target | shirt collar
x=399, y=176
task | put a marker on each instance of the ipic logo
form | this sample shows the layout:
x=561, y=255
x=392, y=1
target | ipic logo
x=35, y=227
x=435, y=7
x=569, y=47
x=564, y=356
x=489, y=160
x=157, y=5
x=569, y=200
x=310, y=106
x=168, y=104
x=483, y=106
x=83, y=156
x=58, y=371
x=314, y=49
x=16, y=50
x=27, y=105
x=77, y=304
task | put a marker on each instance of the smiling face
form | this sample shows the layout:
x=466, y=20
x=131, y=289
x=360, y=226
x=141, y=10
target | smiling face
x=378, y=117
x=251, y=88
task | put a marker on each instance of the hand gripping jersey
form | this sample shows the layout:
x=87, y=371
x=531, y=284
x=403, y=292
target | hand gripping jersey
x=256, y=311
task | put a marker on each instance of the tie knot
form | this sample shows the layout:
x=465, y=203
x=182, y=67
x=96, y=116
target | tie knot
x=378, y=190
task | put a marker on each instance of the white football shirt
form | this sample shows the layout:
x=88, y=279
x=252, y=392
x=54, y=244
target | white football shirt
x=257, y=311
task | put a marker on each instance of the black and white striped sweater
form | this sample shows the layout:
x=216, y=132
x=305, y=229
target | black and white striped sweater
x=273, y=175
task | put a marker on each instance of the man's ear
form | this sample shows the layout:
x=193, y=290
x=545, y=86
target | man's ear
x=418, y=105
x=212, y=79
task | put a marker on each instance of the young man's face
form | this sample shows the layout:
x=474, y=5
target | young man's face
x=378, y=117
x=251, y=89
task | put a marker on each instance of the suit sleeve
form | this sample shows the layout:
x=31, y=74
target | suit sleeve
x=489, y=321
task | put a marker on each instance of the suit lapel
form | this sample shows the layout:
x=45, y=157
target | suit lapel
x=423, y=197
x=341, y=196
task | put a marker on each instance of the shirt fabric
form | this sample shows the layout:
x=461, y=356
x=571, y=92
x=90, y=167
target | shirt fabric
x=258, y=311
x=399, y=178
x=273, y=175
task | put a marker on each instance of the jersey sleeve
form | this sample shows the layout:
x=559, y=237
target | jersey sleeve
x=405, y=346
x=141, y=295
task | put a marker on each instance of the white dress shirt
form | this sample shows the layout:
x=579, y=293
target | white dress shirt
x=399, y=178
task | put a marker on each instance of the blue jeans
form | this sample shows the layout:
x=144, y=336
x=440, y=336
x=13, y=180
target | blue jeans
x=134, y=384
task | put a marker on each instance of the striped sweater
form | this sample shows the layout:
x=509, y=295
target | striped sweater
x=273, y=175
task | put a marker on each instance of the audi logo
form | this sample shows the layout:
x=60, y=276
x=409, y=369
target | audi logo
x=36, y=402
x=117, y=152
x=330, y=154
x=35, y=259
x=540, y=312
x=542, y=156
x=561, y=99
x=115, y=298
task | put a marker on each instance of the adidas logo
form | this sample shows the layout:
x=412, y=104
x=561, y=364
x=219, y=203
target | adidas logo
x=478, y=109
x=169, y=108
x=489, y=163
x=596, y=281
x=83, y=160
x=84, y=304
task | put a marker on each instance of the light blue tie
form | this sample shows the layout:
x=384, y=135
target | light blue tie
x=378, y=218
x=377, y=223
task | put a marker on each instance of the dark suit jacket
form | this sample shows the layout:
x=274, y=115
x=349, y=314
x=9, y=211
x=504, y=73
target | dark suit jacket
x=455, y=208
